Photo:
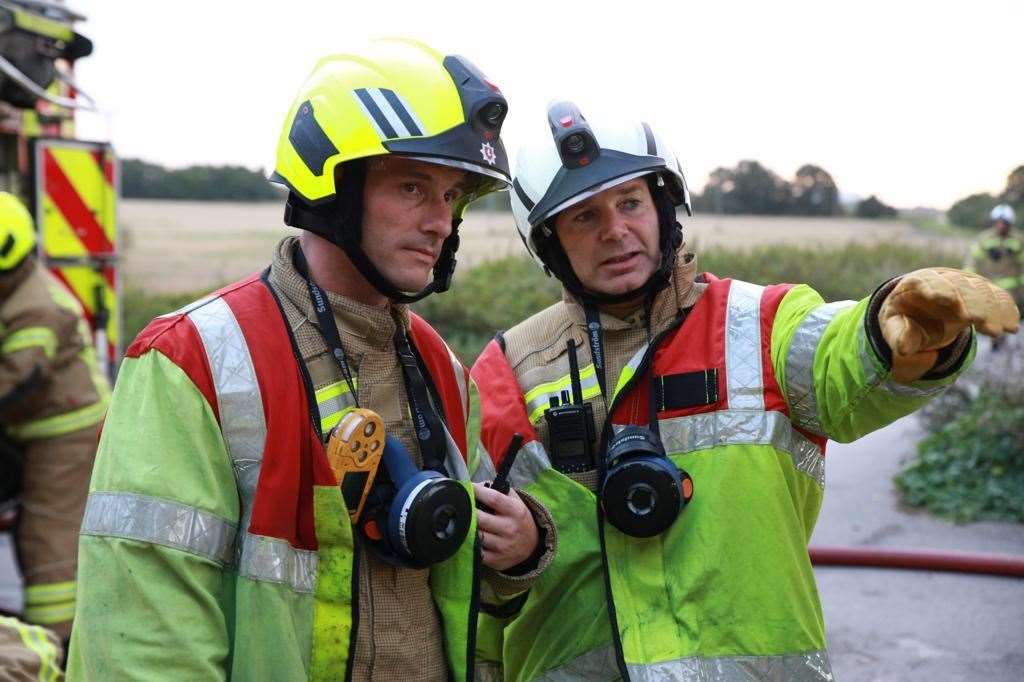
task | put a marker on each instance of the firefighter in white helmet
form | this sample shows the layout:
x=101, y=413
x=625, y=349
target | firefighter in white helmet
x=998, y=253
x=675, y=423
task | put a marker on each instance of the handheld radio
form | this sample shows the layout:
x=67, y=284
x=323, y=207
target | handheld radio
x=571, y=425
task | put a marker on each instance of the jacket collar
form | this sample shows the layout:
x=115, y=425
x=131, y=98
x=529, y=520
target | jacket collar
x=680, y=293
x=375, y=324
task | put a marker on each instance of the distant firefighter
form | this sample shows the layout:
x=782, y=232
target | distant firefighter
x=998, y=254
x=52, y=399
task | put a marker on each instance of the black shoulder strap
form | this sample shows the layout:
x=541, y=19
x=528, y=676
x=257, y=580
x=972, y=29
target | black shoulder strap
x=426, y=423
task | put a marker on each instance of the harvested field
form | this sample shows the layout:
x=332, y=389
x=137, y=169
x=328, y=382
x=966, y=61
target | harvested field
x=185, y=246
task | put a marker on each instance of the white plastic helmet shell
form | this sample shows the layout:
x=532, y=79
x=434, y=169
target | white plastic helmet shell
x=1003, y=212
x=538, y=166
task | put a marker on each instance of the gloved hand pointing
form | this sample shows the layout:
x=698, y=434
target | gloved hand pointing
x=929, y=308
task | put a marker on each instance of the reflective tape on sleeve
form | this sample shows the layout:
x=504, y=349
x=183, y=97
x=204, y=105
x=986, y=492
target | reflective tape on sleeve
x=238, y=396
x=31, y=337
x=800, y=393
x=275, y=561
x=530, y=462
x=162, y=522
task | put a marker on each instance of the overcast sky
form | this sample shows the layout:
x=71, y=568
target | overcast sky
x=918, y=102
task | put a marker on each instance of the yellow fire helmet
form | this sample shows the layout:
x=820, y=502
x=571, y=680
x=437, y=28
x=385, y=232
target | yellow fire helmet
x=17, y=233
x=396, y=96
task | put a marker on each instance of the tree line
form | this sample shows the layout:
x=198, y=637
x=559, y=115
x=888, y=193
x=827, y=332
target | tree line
x=143, y=180
x=748, y=188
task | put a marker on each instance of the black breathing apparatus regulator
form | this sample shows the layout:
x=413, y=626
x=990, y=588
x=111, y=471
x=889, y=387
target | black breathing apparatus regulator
x=641, y=490
x=406, y=516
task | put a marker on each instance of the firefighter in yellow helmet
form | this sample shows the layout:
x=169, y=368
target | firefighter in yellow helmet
x=52, y=398
x=217, y=541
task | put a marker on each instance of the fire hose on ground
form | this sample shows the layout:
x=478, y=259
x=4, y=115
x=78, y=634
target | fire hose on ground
x=920, y=560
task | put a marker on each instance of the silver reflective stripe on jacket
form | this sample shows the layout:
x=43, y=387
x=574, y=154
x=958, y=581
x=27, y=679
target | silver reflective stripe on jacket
x=273, y=560
x=460, y=379
x=743, y=347
x=245, y=431
x=740, y=427
x=629, y=370
x=162, y=522
x=453, y=459
x=531, y=460
x=806, y=667
x=488, y=672
x=238, y=395
x=803, y=402
x=600, y=664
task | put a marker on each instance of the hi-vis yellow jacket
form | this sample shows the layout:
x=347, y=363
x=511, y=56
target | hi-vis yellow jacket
x=727, y=593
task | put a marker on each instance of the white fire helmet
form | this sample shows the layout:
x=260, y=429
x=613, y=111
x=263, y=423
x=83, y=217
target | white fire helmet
x=578, y=160
x=1003, y=212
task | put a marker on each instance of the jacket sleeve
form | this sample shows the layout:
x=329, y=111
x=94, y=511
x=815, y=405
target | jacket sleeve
x=153, y=601
x=834, y=367
x=497, y=399
x=501, y=586
x=28, y=346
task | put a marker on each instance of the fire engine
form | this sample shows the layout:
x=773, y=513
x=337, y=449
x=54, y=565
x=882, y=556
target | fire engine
x=69, y=184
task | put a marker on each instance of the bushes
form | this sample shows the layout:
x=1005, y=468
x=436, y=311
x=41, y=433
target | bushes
x=850, y=272
x=490, y=297
x=873, y=207
x=972, y=211
x=971, y=464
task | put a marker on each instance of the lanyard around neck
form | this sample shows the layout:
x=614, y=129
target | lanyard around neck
x=595, y=336
x=427, y=425
x=325, y=319
x=429, y=430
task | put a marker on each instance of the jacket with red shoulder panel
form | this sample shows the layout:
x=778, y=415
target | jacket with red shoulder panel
x=216, y=542
x=751, y=382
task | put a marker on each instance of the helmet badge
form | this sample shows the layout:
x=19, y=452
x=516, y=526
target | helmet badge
x=487, y=152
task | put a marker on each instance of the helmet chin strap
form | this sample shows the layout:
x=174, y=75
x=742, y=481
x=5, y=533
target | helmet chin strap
x=670, y=239
x=340, y=221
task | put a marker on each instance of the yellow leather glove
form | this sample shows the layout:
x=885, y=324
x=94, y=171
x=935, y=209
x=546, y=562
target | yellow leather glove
x=929, y=308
